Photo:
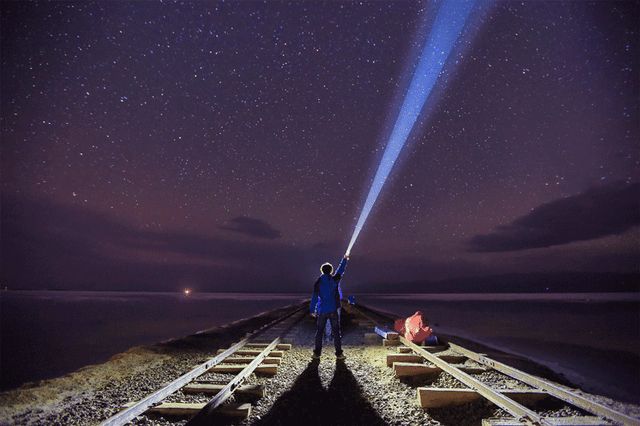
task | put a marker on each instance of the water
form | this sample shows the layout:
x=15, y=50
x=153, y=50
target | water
x=49, y=334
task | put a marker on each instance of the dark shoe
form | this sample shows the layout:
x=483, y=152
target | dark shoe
x=315, y=355
x=340, y=356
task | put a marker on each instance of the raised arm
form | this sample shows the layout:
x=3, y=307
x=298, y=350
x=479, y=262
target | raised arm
x=343, y=265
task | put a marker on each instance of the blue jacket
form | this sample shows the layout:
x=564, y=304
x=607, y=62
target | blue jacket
x=327, y=292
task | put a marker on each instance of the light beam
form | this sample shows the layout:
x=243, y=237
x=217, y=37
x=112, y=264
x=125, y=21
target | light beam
x=446, y=29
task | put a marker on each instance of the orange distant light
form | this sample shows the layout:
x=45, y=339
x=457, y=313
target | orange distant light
x=187, y=291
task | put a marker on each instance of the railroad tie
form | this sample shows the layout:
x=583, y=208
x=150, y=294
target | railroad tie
x=371, y=338
x=406, y=358
x=254, y=353
x=443, y=397
x=247, y=360
x=412, y=365
x=214, y=388
x=404, y=369
x=280, y=346
x=185, y=409
x=386, y=333
x=555, y=421
x=430, y=349
x=189, y=409
x=267, y=369
x=453, y=359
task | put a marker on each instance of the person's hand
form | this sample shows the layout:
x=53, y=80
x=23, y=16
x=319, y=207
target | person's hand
x=314, y=315
x=346, y=256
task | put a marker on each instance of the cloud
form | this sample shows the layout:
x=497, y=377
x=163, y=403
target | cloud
x=51, y=245
x=602, y=211
x=254, y=228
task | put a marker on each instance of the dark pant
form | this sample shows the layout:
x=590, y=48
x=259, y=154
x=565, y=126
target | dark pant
x=334, y=317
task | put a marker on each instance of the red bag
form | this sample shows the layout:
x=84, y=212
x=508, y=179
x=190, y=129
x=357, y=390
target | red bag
x=414, y=328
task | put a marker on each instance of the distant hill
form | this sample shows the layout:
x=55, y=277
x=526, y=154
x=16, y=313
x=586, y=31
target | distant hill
x=569, y=282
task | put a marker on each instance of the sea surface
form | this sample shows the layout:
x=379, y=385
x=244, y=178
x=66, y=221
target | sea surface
x=593, y=339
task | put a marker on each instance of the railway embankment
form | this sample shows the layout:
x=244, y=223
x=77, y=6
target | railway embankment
x=362, y=389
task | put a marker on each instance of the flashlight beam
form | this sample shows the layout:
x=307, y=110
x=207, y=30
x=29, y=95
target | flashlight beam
x=446, y=29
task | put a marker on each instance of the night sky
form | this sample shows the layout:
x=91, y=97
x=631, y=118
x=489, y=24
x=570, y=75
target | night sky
x=229, y=146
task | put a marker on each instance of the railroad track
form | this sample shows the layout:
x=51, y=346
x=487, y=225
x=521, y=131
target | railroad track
x=226, y=386
x=222, y=376
x=467, y=367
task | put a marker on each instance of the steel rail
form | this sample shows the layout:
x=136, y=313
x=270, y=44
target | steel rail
x=202, y=417
x=143, y=405
x=519, y=411
x=550, y=388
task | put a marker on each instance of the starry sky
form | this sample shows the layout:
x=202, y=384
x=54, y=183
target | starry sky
x=229, y=146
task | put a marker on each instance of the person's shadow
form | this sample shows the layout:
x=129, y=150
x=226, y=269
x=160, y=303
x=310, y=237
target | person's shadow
x=308, y=403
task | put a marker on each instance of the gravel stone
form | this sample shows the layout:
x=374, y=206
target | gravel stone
x=361, y=390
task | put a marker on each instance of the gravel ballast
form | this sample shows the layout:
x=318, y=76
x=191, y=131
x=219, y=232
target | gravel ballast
x=357, y=391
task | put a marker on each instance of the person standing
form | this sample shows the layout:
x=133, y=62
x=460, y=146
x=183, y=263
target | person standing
x=325, y=305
